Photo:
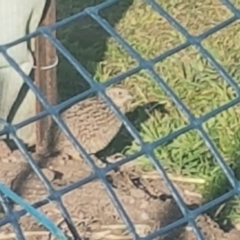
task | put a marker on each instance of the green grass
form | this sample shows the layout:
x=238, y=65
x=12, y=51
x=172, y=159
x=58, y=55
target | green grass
x=192, y=77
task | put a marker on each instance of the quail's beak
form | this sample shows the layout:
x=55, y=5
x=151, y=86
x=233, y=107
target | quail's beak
x=129, y=100
x=129, y=97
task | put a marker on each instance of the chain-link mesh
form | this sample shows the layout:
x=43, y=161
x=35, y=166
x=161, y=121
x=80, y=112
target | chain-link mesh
x=146, y=148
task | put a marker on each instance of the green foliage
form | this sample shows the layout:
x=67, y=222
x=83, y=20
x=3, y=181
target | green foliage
x=192, y=77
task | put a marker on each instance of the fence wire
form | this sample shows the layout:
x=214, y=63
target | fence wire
x=189, y=216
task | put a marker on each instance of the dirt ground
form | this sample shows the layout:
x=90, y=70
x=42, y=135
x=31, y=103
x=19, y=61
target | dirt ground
x=146, y=200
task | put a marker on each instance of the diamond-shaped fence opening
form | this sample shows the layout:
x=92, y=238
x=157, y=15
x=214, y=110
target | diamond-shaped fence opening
x=138, y=65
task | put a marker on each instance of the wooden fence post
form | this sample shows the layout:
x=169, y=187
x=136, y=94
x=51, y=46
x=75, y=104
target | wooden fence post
x=45, y=72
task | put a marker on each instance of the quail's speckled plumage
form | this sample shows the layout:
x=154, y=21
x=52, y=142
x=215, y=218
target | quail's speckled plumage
x=92, y=122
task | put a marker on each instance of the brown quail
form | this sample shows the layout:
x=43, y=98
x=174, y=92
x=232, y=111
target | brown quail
x=91, y=122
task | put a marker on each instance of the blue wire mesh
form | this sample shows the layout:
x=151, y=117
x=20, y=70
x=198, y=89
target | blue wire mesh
x=189, y=216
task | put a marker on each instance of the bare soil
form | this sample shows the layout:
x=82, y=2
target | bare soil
x=147, y=202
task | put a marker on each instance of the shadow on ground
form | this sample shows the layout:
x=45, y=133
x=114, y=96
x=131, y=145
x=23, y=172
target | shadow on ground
x=85, y=40
x=139, y=115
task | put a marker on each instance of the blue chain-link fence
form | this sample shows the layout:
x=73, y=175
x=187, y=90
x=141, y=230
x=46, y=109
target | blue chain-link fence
x=195, y=123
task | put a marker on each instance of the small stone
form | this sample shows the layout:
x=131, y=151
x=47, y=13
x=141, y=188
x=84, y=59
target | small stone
x=5, y=160
x=131, y=201
x=48, y=174
x=237, y=226
x=62, y=161
x=144, y=205
x=137, y=193
x=144, y=216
